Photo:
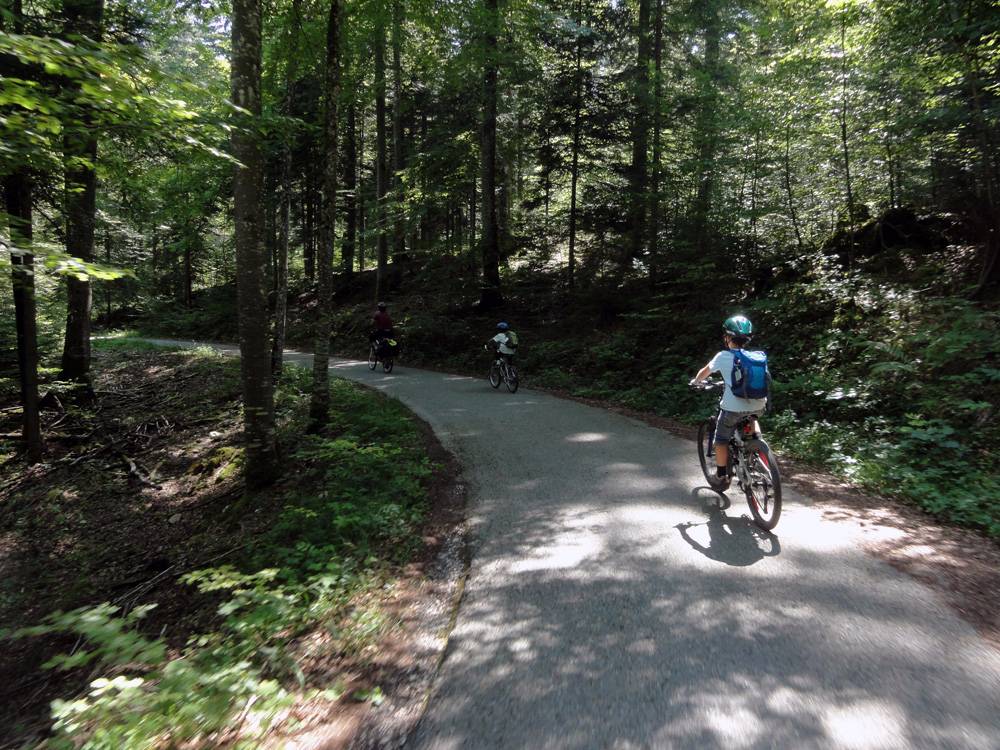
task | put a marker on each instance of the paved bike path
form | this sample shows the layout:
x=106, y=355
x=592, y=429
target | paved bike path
x=612, y=603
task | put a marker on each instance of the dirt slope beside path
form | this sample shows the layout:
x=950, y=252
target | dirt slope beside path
x=613, y=602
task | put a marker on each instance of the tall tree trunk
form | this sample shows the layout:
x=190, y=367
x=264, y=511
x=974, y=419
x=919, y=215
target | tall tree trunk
x=491, y=295
x=82, y=18
x=309, y=241
x=284, y=207
x=319, y=406
x=17, y=198
x=575, y=166
x=754, y=179
x=848, y=188
x=107, y=285
x=472, y=218
x=890, y=164
x=381, y=178
x=707, y=130
x=188, y=269
x=362, y=206
x=654, y=202
x=398, y=227
x=281, y=272
x=251, y=259
x=638, y=172
x=350, y=191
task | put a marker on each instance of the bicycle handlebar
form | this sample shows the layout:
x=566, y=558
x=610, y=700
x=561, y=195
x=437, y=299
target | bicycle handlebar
x=706, y=385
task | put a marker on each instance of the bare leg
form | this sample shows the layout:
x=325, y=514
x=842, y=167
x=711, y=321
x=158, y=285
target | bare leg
x=721, y=454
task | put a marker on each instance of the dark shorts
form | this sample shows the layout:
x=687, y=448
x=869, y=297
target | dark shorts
x=726, y=422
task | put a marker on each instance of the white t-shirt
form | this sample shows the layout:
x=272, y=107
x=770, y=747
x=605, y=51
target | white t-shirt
x=501, y=339
x=723, y=364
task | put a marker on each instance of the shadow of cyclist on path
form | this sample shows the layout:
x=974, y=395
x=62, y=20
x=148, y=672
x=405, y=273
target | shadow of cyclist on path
x=731, y=540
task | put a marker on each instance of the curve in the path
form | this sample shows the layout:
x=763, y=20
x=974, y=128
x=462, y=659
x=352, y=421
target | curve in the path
x=612, y=603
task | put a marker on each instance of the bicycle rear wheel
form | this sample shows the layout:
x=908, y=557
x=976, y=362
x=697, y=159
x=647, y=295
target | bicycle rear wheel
x=764, y=491
x=387, y=365
x=511, y=379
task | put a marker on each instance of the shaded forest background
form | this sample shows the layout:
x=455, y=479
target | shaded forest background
x=613, y=178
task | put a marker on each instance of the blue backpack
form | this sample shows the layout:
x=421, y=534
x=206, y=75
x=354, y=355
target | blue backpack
x=750, y=377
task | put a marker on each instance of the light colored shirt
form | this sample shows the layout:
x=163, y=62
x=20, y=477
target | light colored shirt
x=501, y=339
x=722, y=363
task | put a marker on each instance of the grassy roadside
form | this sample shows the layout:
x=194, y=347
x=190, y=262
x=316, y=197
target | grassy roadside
x=151, y=603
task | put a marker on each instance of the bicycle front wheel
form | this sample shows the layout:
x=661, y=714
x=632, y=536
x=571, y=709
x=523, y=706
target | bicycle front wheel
x=372, y=358
x=764, y=491
x=706, y=435
x=495, y=375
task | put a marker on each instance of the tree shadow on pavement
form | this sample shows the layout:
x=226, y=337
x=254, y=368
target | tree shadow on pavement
x=583, y=639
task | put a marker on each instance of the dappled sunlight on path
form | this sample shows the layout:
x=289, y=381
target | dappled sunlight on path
x=614, y=601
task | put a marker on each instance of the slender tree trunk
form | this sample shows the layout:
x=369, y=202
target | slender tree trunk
x=638, y=173
x=107, y=284
x=319, y=406
x=890, y=162
x=350, y=191
x=848, y=189
x=472, y=218
x=491, y=295
x=251, y=259
x=188, y=271
x=309, y=241
x=654, y=209
x=17, y=197
x=281, y=272
x=284, y=207
x=362, y=206
x=381, y=178
x=788, y=187
x=754, y=179
x=575, y=164
x=82, y=17
x=398, y=227
x=707, y=130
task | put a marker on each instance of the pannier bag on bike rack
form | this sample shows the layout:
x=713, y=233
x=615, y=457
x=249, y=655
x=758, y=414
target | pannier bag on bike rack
x=387, y=348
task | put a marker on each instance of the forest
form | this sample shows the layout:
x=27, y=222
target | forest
x=612, y=177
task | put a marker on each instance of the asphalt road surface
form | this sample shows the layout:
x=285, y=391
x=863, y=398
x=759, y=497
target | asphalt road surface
x=614, y=601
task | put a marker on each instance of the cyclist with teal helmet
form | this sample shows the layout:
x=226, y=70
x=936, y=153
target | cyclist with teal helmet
x=736, y=333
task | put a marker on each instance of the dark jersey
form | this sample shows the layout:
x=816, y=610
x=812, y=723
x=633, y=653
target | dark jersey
x=382, y=321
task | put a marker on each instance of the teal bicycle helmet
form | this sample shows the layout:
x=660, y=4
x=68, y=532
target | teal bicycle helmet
x=738, y=326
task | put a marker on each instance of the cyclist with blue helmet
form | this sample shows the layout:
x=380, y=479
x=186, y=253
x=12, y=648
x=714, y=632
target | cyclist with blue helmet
x=736, y=333
x=505, y=342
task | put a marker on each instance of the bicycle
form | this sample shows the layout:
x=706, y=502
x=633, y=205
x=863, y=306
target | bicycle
x=502, y=370
x=751, y=463
x=387, y=359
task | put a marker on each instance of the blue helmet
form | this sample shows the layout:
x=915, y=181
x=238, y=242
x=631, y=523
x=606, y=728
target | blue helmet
x=502, y=326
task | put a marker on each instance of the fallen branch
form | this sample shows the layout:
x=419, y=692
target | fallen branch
x=136, y=472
